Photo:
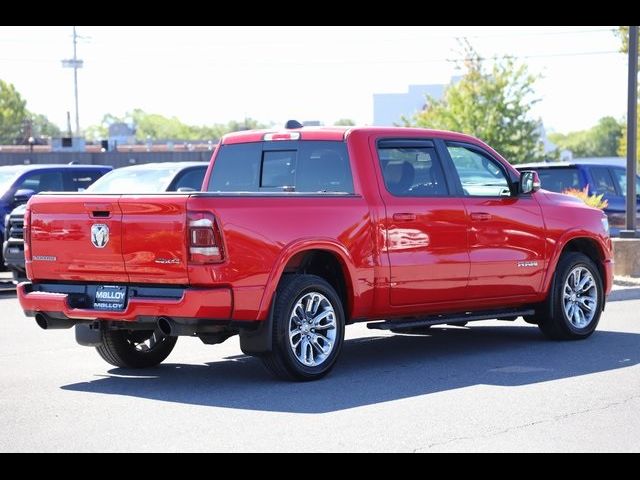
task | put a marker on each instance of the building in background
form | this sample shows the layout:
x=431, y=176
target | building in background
x=389, y=108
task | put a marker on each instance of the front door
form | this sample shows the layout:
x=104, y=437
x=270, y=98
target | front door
x=425, y=227
x=506, y=230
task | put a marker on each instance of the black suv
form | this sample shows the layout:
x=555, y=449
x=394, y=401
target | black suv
x=23, y=181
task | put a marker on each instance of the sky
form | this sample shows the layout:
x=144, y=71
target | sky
x=206, y=75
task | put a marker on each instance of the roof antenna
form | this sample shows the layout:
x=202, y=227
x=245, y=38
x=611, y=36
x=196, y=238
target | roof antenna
x=293, y=124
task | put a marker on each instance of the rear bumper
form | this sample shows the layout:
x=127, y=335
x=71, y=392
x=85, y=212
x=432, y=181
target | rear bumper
x=184, y=303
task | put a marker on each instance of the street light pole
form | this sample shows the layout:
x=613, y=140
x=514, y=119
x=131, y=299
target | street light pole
x=75, y=79
x=75, y=63
x=632, y=131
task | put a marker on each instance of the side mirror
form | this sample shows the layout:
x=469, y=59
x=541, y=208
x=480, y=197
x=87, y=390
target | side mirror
x=529, y=181
x=22, y=196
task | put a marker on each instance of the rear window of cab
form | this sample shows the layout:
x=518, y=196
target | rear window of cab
x=296, y=166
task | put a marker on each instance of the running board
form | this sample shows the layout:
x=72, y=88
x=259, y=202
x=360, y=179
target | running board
x=451, y=318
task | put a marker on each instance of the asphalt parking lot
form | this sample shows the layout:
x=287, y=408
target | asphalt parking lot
x=493, y=387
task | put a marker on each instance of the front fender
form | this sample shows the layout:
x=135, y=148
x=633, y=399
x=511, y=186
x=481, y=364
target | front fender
x=604, y=248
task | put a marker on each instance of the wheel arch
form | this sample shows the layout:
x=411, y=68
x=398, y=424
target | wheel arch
x=322, y=257
x=581, y=242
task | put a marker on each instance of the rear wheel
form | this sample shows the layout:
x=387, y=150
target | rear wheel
x=308, y=329
x=575, y=304
x=135, y=348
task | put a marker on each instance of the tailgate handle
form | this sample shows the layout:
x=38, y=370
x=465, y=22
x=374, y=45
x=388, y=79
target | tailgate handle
x=99, y=210
x=480, y=216
x=404, y=217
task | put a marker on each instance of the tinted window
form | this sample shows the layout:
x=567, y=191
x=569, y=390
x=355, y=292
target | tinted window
x=411, y=171
x=236, y=168
x=620, y=175
x=42, y=182
x=602, y=181
x=479, y=174
x=307, y=166
x=559, y=179
x=80, y=180
x=191, y=178
x=278, y=169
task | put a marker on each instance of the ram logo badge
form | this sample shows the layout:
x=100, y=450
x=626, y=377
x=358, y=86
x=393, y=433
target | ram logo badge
x=99, y=235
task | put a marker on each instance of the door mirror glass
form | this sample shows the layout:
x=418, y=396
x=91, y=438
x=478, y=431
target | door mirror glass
x=529, y=182
x=22, y=196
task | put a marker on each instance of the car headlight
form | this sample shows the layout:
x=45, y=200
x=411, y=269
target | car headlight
x=605, y=224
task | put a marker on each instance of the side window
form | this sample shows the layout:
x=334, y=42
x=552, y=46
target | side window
x=559, y=179
x=620, y=174
x=191, y=178
x=42, y=182
x=480, y=175
x=79, y=181
x=602, y=181
x=411, y=170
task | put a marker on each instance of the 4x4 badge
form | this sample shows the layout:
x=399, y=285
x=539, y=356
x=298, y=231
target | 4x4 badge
x=99, y=235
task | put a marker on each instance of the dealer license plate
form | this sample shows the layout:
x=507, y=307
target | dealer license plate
x=110, y=297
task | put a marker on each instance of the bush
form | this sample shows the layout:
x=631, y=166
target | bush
x=594, y=200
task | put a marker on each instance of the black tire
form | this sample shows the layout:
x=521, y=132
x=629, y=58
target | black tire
x=552, y=318
x=282, y=361
x=126, y=348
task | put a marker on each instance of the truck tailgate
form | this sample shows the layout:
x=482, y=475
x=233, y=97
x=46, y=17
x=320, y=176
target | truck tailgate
x=108, y=238
x=154, y=239
x=76, y=238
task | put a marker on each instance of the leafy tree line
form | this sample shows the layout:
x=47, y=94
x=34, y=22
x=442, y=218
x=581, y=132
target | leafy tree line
x=17, y=123
x=158, y=127
x=602, y=140
x=491, y=103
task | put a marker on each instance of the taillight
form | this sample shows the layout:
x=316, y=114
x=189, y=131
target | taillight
x=205, y=240
x=26, y=233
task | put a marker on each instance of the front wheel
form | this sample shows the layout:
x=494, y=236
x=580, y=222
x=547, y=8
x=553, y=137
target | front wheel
x=308, y=329
x=576, y=300
x=135, y=348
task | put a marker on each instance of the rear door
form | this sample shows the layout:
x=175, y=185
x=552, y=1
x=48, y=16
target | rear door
x=425, y=227
x=506, y=231
x=76, y=239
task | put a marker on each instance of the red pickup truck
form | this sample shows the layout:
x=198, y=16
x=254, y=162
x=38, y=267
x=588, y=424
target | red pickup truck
x=300, y=232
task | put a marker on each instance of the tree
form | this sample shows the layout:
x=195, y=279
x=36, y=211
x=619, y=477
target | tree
x=602, y=140
x=13, y=113
x=492, y=104
x=43, y=127
x=158, y=127
x=344, y=122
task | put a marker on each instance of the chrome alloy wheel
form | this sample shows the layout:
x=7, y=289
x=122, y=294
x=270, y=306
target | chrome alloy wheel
x=580, y=297
x=312, y=329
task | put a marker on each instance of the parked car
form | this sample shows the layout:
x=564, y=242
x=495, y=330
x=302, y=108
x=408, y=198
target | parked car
x=303, y=231
x=606, y=177
x=153, y=178
x=18, y=184
x=150, y=177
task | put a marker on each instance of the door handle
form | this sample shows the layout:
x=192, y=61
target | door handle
x=480, y=216
x=404, y=217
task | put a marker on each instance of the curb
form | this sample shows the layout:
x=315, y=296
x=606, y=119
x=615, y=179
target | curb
x=619, y=294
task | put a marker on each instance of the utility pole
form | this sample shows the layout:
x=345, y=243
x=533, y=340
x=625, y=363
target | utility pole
x=75, y=63
x=632, y=131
